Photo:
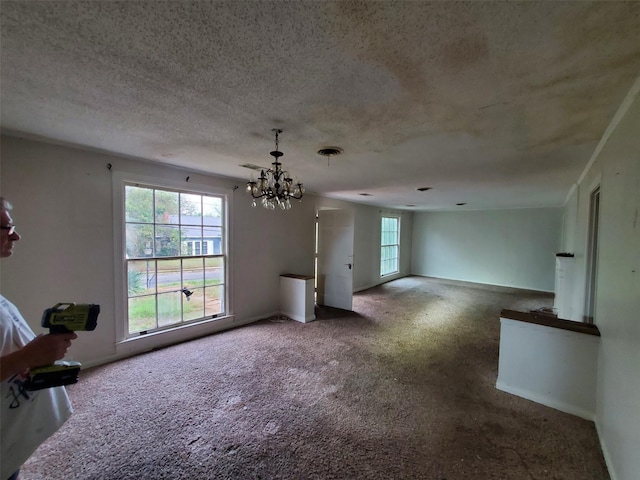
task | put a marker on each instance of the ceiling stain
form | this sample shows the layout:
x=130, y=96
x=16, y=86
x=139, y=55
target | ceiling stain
x=454, y=94
x=457, y=41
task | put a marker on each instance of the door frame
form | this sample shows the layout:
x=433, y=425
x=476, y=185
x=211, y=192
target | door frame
x=348, y=259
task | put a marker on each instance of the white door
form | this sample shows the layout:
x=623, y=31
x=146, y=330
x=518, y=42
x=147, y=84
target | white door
x=335, y=259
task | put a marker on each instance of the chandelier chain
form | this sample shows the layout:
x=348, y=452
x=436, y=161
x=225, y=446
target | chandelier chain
x=278, y=131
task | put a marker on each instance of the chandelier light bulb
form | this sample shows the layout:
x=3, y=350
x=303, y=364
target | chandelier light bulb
x=251, y=185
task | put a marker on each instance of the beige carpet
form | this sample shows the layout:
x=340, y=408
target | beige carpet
x=402, y=388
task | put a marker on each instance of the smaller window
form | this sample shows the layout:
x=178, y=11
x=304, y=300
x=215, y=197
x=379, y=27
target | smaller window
x=389, y=246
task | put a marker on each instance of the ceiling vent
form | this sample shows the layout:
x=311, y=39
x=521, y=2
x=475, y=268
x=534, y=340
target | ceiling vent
x=252, y=166
x=330, y=152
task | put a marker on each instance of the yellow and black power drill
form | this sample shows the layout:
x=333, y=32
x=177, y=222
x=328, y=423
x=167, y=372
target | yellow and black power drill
x=63, y=318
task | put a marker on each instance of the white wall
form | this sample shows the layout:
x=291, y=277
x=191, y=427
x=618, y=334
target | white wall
x=616, y=166
x=514, y=248
x=63, y=206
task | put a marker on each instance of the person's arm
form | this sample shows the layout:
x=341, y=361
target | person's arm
x=42, y=350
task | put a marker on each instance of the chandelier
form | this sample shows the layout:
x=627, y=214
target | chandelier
x=275, y=186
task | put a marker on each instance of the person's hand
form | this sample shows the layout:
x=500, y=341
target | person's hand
x=46, y=349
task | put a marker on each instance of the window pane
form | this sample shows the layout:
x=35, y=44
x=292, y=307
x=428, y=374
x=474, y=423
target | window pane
x=167, y=241
x=169, y=308
x=190, y=209
x=142, y=313
x=214, y=300
x=212, y=211
x=168, y=275
x=139, y=240
x=193, y=306
x=192, y=273
x=141, y=277
x=213, y=235
x=191, y=234
x=166, y=207
x=214, y=270
x=138, y=204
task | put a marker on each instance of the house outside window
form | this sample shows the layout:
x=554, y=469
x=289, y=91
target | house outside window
x=389, y=245
x=175, y=258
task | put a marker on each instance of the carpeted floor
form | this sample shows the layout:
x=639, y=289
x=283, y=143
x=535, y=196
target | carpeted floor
x=401, y=388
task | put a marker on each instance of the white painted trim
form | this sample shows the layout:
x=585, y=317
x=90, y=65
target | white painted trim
x=366, y=287
x=482, y=283
x=573, y=188
x=605, y=452
x=392, y=275
x=118, y=179
x=548, y=401
x=383, y=281
x=174, y=334
x=213, y=326
x=617, y=118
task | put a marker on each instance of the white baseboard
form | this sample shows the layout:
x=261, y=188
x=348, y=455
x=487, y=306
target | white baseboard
x=381, y=282
x=143, y=344
x=365, y=287
x=605, y=452
x=517, y=287
x=549, y=402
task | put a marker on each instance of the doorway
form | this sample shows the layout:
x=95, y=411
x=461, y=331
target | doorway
x=334, y=258
x=592, y=256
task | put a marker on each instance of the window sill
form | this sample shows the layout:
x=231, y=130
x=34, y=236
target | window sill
x=162, y=338
x=386, y=275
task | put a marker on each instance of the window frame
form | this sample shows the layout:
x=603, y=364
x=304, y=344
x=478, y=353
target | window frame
x=397, y=218
x=120, y=181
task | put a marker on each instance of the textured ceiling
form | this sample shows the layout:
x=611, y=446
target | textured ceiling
x=495, y=104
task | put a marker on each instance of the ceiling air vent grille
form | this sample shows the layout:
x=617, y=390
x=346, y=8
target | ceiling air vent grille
x=252, y=166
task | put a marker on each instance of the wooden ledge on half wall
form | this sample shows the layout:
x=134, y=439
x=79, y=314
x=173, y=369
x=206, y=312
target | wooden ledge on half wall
x=550, y=320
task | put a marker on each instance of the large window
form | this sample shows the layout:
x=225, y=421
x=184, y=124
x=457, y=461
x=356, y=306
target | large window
x=175, y=256
x=389, y=246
